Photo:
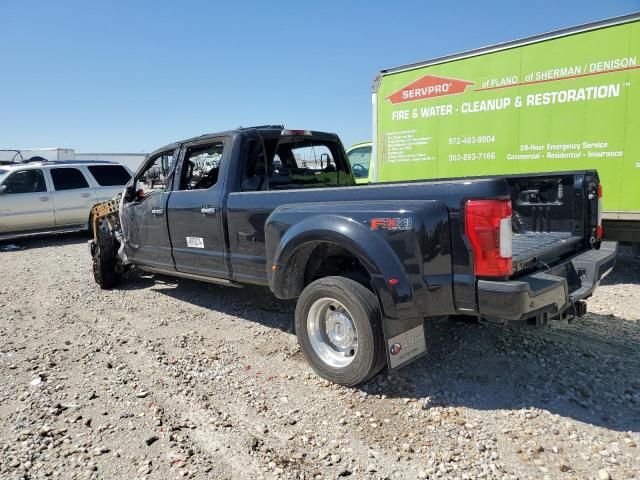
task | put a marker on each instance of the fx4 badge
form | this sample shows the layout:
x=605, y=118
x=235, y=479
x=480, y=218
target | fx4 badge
x=400, y=223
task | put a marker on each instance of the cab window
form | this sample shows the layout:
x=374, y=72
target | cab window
x=255, y=167
x=306, y=163
x=156, y=176
x=26, y=181
x=201, y=166
x=294, y=162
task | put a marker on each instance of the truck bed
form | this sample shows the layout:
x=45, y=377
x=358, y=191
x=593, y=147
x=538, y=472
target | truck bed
x=533, y=245
x=550, y=218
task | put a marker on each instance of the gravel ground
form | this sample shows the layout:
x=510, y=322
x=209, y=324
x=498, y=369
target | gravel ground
x=164, y=378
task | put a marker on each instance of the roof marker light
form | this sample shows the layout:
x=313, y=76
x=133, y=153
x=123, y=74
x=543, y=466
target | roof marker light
x=294, y=133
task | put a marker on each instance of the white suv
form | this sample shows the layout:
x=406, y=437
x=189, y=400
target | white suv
x=47, y=197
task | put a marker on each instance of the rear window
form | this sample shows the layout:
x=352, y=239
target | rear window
x=68, y=179
x=295, y=162
x=110, y=175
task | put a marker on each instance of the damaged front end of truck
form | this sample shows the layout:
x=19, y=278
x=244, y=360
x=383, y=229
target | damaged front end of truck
x=106, y=247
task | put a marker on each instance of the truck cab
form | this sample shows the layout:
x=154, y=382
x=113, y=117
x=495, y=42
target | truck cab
x=188, y=194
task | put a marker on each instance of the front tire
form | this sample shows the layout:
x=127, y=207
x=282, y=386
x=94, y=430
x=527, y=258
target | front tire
x=90, y=231
x=339, y=330
x=105, y=256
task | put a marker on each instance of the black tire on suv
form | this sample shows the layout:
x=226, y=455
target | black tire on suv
x=339, y=330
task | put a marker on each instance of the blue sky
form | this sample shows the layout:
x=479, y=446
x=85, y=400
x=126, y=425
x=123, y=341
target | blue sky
x=120, y=76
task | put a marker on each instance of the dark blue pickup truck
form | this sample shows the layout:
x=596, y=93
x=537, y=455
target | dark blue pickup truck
x=369, y=264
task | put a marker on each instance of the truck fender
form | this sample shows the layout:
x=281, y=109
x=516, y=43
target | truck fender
x=290, y=243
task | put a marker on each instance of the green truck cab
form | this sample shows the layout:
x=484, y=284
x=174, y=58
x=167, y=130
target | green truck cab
x=562, y=101
x=360, y=161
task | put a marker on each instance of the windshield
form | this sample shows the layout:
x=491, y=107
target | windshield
x=360, y=158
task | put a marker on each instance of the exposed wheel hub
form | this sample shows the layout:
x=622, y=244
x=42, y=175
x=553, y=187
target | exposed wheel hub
x=332, y=332
x=340, y=330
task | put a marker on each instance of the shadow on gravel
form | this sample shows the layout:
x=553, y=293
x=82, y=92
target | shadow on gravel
x=627, y=269
x=44, y=241
x=588, y=370
x=252, y=303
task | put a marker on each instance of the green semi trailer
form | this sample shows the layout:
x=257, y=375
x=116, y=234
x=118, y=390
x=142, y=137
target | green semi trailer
x=562, y=101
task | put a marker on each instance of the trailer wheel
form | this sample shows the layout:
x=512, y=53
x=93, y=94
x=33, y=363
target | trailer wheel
x=105, y=266
x=339, y=330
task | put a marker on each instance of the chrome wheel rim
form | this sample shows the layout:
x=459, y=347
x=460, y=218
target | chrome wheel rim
x=332, y=332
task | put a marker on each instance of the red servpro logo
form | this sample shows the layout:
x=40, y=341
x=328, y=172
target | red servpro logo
x=429, y=86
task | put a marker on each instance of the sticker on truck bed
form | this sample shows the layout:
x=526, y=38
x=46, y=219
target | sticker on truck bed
x=195, y=242
x=406, y=346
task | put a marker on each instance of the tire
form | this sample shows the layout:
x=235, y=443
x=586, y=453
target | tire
x=90, y=226
x=105, y=266
x=347, y=306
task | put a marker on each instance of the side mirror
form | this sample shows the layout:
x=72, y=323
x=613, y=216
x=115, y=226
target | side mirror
x=129, y=193
x=3, y=189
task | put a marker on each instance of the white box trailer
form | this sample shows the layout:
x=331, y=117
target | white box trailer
x=52, y=153
x=24, y=154
x=130, y=160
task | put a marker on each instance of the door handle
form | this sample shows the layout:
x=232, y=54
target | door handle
x=44, y=199
x=157, y=211
x=86, y=195
x=207, y=210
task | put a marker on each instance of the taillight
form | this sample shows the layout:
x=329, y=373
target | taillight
x=488, y=228
x=599, y=224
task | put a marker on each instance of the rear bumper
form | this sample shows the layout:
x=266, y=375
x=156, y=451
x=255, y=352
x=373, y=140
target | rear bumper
x=553, y=293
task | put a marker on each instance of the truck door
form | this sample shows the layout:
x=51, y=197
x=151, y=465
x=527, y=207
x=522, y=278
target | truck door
x=194, y=210
x=144, y=216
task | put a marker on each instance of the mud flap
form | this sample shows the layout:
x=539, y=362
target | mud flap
x=406, y=347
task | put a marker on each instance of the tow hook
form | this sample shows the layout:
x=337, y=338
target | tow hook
x=581, y=308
